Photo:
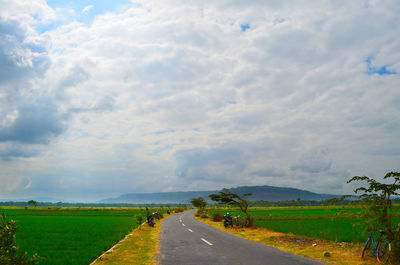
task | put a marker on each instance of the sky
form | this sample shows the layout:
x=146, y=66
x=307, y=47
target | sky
x=101, y=98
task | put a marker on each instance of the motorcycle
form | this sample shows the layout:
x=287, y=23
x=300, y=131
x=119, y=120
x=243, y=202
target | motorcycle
x=228, y=221
x=150, y=220
x=157, y=216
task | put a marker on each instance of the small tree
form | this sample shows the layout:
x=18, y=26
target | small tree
x=229, y=198
x=139, y=221
x=32, y=202
x=199, y=203
x=8, y=249
x=376, y=199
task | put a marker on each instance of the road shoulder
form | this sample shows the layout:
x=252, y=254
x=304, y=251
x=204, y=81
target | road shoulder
x=340, y=252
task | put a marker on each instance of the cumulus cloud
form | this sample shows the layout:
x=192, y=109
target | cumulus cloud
x=216, y=164
x=19, y=57
x=34, y=124
x=314, y=162
x=9, y=151
x=87, y=9
x=269, y=172
x=251, y=93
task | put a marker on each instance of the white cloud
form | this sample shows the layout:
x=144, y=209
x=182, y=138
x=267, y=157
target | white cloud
x=257, y=107
x=87, y=9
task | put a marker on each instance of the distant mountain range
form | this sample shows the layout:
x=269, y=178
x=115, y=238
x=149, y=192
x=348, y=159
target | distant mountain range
x=266, y=193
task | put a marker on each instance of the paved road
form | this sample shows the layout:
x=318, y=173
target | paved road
x=186, y=241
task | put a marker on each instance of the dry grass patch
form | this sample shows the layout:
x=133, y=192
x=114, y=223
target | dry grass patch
x=139, y=247
x=340, y=252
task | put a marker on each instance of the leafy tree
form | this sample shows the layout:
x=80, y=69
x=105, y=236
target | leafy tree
x=228, y=198
x=32, y=202
x=376, y=199
x=199, y=203
x=8, y=249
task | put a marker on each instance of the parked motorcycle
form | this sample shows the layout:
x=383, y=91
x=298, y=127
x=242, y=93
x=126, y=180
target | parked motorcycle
x=157, y=215
x=228, y=220
x=150, y=220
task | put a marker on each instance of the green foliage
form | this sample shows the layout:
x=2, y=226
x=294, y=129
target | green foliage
x=8, y=249
x=32, y=202
x=228, y=198
x=378, y=211
x=199, y=203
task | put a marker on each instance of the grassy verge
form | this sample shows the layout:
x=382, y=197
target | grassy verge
x=140, y=247
x=340, y=252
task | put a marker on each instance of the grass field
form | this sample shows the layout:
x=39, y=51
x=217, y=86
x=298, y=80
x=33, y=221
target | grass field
x=322, y=222
x=71, y=235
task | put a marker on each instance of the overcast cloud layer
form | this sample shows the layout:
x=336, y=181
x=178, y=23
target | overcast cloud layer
x=171, y=95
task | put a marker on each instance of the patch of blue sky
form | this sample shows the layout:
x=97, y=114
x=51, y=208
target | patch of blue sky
x=279, y=20
x=104, y=136
x=245, y=27
x=164, y=148
x=196, y=129
x=84, y=11
x=79, y=133
x=163, y=132
x=232, y=102
x=59, y=51
x=67, y=135
x=372, y=70
x=76, y=134
x=42, y=28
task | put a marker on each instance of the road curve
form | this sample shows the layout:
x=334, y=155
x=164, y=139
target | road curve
x=186, y=241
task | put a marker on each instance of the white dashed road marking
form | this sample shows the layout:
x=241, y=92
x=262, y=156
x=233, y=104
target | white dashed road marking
x=183, y=224
x=190, y=230
x=207, y=242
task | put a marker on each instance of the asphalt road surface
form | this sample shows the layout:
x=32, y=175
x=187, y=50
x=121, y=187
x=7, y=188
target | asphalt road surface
x=186, y=241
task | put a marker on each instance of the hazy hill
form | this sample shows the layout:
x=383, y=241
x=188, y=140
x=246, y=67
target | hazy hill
x=267, y=193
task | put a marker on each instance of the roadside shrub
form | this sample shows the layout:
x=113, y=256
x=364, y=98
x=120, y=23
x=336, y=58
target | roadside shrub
x=243, y=221
x=248, y=222
x=8, y=249
x=205, y=214
x=217, y=217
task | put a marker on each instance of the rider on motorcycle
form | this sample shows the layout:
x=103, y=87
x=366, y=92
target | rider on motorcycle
x=227, y=220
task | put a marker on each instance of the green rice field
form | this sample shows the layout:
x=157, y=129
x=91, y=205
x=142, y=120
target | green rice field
x=70, y=235
x=321, y=222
